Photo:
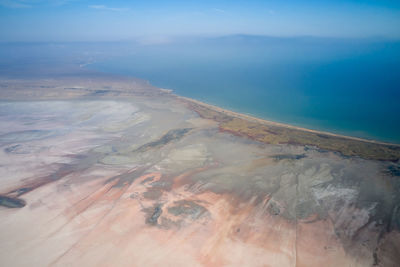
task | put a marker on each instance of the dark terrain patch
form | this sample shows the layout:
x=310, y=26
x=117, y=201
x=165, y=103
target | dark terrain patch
x=274, y=209
x=155, y=189
x=11, y=202
x=153, y=193
x=288, y=156
x=187, y=208
x=126, y=178
x=13, y=149
x=100, y=92
x=148, y=179
x=394, y=170
x=170, y=136
x=22, y=149
x=394, y=223
x=26, y=136
x=153, y=214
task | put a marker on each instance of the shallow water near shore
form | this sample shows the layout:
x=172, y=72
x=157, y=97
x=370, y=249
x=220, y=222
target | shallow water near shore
x=346, y=87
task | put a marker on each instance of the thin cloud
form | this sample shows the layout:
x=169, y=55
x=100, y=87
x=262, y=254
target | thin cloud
x=32, y=3
x=103, y=7
x=14, y=4
x=218, y=10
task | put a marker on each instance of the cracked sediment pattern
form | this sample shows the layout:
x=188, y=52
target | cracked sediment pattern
x=145, y=181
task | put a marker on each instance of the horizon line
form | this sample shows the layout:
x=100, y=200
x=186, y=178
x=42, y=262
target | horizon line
x=182, y=37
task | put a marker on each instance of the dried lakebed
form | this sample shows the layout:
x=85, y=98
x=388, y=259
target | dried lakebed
x=145, y=181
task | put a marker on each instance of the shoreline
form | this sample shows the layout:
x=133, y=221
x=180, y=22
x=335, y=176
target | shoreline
x=269, y=132
x=248, y=117
x=100, y=85
x=252, y=118
x=329, y=131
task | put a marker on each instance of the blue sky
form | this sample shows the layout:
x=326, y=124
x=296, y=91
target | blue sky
x=96, y=20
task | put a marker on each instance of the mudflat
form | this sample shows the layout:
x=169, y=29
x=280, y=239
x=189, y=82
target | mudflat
x=111, y=171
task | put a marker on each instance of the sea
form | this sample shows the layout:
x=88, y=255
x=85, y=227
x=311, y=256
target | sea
x=344, y=86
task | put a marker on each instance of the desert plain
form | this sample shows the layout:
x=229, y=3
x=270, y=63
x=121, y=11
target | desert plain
x=111, y=171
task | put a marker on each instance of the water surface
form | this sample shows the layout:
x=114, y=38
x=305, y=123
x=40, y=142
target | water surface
x=349, y=87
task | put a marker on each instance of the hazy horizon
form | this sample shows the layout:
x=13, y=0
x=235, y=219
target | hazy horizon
x=160, y=21
x=156, y=40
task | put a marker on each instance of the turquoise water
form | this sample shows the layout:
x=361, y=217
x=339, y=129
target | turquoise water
x=349, y=87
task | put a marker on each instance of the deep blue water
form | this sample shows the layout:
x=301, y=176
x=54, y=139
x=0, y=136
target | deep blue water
x=349, y=87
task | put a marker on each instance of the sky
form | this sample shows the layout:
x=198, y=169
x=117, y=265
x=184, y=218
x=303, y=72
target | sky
x=160, y=20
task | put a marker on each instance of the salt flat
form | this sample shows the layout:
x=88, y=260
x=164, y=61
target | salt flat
x=113, y=172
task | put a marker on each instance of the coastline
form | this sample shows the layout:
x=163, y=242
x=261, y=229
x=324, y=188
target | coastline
x=99, y=85
x=270, y=132
x=279, y=124
x=255, y=118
